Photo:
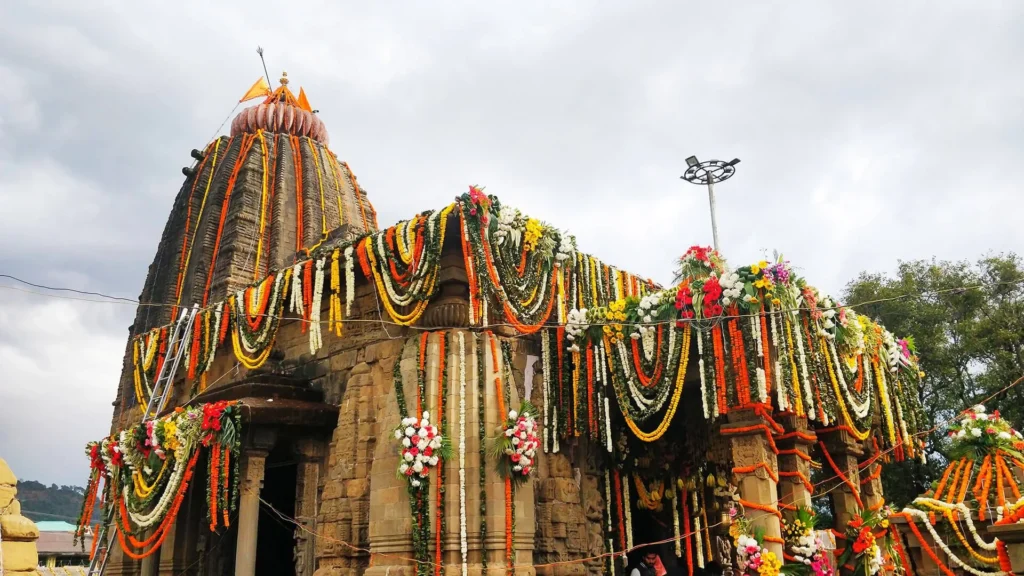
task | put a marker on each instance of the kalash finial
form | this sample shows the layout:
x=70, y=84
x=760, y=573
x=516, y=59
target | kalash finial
x=284, y=78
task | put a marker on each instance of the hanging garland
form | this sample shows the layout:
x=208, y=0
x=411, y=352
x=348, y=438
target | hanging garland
x=143, y=473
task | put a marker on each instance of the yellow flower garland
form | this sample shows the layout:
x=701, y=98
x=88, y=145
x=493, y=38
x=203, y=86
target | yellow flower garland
x=674, y=403
x=263, y=206
x=883, y=391
x=143, y=490
x=948, y=514
x=791, y=356
x=323, y=210
x=860, y=436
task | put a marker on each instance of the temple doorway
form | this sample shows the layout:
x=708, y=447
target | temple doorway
x=275, y=540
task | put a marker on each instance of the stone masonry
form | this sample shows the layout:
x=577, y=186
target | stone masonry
x=18, y=534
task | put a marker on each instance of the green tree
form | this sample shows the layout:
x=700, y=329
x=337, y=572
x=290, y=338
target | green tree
x=967, y=321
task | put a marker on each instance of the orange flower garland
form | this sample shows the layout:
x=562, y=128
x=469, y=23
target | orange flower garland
x=500, y=393
x=247, y=142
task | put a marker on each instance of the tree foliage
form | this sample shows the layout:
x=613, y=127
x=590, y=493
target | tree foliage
x=967, y=319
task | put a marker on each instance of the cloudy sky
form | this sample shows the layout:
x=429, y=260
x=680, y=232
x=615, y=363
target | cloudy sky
x=869, y=132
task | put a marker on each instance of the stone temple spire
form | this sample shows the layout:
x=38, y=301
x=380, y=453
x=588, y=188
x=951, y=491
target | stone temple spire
x=252, y=203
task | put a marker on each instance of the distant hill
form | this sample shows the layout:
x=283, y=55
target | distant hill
x=40, y=502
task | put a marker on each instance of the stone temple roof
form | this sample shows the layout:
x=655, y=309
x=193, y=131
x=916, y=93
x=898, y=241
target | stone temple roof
x=252, y=203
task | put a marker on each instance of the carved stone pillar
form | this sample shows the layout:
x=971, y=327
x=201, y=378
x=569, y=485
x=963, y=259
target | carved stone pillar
x=253, y=466
x=842, y=453
x=756, y=471
x=795, y=487
x=149, y=563
x=307, y=486
x=171, y=562
x=871, y=480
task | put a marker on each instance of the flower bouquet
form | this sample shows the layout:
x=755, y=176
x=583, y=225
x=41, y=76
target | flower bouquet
x=752, y=558
x=516, y=447
x=423, y=447
x=979, y=434
x=868, y=542
x=805, y=546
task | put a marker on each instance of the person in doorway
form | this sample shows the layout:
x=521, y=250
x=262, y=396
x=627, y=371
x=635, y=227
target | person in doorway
x=650, y=565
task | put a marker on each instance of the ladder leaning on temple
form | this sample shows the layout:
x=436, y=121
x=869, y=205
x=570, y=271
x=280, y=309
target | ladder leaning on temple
x=157, y=399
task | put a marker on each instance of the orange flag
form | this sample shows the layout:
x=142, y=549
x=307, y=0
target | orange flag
x=303, y=103
x=260, y=88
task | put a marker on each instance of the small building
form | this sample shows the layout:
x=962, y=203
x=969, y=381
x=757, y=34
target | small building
x=57, y=547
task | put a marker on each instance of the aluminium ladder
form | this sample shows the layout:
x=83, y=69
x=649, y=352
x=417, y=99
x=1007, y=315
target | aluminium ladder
x=157, y=398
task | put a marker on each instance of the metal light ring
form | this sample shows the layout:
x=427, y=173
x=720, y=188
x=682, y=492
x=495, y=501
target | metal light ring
x=718, y=170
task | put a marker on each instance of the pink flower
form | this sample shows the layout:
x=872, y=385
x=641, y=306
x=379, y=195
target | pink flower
x=415, y=439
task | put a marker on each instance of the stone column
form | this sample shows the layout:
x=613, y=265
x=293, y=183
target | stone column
x=1013, y=536
x=149, y=563
x=794, y=446
x=253, y=464
x=845, y=452
x=755, y=470
x=871, y=481
x=307, y=487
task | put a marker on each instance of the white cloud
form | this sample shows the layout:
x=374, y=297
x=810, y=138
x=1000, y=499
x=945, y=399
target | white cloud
x=62, y=361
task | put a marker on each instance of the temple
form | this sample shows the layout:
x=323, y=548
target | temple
x=466, y=392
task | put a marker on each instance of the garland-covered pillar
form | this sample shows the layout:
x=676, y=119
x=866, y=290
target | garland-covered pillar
x=755, y=468
x=391, y=525
x=795, y=487
x=253, y=467
x=842, y=453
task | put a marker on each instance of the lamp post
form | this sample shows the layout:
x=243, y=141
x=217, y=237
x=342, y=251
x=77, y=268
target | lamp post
x=710, y=172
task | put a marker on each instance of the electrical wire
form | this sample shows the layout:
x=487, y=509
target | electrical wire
x=120, y=300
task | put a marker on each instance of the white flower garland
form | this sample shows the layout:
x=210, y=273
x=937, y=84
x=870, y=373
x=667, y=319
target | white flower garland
x=545, y=355
x=675, y=527
x=859, y=409
x=703, y=380
x=154, y=516
x=696, y=530
x=627, y=504
x=350, y=280
x=804, y=374
x=779, y=387
x=762, y=383
x=463, y=537
x=965, y=514
x=295, y=301
x=316, y=340
x=608, y=425
x=923, y=518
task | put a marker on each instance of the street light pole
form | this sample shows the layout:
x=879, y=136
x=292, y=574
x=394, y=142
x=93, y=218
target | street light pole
x=710, y=172
x=714, y=221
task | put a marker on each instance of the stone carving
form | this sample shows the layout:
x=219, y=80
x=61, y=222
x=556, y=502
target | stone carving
x=723, y=555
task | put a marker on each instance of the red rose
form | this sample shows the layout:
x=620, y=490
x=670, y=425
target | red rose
x=428, y=451
x=415, y=439
x=414, y=451
x=515, y=457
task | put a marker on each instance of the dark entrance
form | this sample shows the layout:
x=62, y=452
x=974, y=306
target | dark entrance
x=275, y=540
